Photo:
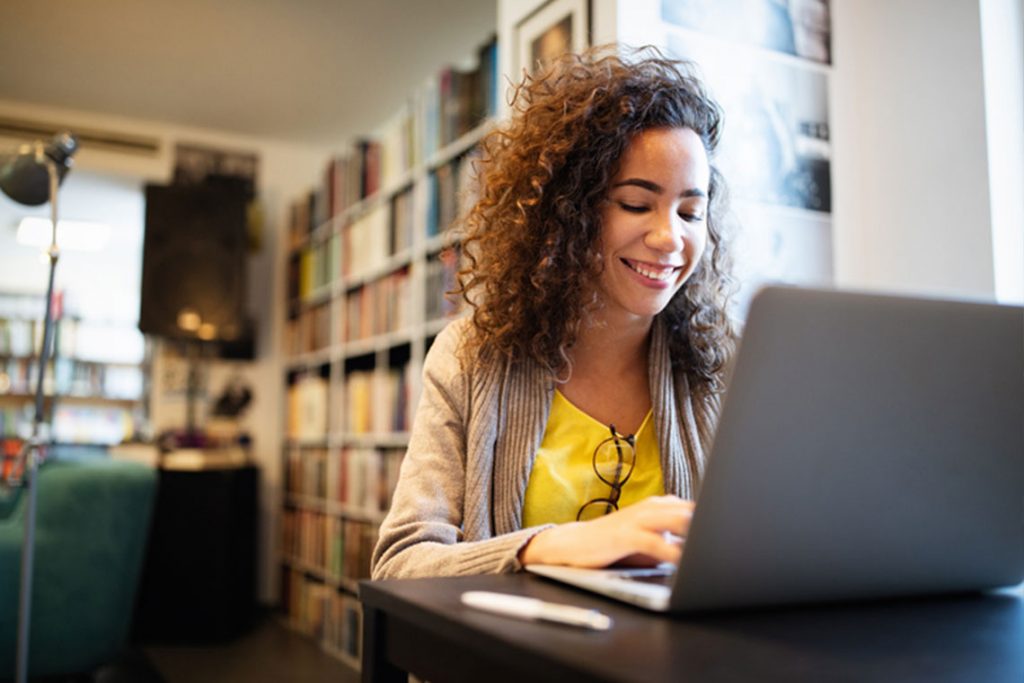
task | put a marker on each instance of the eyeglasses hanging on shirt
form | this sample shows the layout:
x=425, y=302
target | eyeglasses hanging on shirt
x=614, y=459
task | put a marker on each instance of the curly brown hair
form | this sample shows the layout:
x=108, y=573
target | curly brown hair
x=530, y=242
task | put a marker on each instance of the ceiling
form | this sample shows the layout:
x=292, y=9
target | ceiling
x=304, y=71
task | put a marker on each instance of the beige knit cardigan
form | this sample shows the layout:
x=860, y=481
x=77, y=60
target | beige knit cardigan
x=458, y=506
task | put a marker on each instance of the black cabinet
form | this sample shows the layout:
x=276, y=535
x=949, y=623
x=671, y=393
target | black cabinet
x=199, y=581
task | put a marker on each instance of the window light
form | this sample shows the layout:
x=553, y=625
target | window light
x=35, y=231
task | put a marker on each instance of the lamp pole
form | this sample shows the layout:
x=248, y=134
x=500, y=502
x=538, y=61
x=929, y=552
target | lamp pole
x=21, y=180
x=31, y=456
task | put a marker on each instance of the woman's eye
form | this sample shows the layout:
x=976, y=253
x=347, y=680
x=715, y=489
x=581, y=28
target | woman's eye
x=633, y=208
x=692, y=217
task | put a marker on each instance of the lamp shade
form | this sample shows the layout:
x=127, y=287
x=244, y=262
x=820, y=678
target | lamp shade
x=24, y=176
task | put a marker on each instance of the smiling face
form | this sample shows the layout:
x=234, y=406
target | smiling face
x=653, y=223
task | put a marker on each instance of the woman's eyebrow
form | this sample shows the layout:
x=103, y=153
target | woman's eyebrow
x=658, y=189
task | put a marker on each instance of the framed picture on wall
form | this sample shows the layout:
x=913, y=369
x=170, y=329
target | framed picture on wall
x=554, y=28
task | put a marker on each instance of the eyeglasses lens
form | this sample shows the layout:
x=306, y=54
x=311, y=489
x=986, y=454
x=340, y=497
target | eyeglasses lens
x=614, y=460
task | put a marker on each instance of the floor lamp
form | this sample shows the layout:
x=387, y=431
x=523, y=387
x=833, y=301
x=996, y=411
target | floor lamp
x=31, y=176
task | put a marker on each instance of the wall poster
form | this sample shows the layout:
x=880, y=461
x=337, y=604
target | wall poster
x=768, y=64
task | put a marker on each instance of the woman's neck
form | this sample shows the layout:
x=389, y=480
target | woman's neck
x=609, y=379
x=614, y=350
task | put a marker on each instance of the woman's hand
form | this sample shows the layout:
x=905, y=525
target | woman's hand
x=646, y=533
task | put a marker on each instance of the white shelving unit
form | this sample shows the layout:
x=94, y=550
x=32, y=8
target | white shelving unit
x=343, y=448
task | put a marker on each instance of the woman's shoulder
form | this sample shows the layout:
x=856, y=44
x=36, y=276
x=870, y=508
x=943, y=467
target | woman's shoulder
x=447, y=353
x=452, y=338
x=456, y=357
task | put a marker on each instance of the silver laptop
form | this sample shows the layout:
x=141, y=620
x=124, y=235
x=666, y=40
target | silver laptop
x=869, y=446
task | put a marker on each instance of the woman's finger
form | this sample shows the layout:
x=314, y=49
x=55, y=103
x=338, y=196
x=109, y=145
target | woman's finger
x=674, y=520
x=655, y=546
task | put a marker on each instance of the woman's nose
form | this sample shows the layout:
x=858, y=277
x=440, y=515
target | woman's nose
x=666, y=234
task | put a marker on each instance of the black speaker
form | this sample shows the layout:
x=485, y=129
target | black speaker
x=193, y=263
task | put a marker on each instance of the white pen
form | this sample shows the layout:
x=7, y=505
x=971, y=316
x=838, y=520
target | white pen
x=536, y=610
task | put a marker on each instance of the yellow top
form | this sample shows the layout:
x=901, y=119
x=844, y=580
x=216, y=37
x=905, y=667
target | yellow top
x=563, y=477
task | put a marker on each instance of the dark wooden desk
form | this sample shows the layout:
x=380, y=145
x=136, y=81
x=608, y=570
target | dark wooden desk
x=421, y=627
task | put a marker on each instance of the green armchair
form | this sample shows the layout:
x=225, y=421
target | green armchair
x=92, y=522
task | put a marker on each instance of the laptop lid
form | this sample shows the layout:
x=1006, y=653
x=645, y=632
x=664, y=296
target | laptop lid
x=869, y=446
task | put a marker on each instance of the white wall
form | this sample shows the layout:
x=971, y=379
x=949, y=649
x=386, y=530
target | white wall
x=1002, y=31
x=286, y=170
x=911, y=179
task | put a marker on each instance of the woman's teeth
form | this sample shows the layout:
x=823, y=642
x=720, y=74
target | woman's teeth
x=661, y=274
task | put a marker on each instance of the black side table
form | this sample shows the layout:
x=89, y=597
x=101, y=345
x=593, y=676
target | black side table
x=199, y=579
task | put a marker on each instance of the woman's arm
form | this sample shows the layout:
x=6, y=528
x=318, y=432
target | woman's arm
x=646, y=533
x=422, y=535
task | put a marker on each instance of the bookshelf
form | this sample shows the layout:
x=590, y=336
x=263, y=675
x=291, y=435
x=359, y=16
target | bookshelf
x=367, y=267
x=94, y=384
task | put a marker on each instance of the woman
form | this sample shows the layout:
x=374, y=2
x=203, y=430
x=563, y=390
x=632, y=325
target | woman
x=584, y=386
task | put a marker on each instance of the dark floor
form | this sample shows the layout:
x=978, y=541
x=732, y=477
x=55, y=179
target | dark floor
x=269, y=653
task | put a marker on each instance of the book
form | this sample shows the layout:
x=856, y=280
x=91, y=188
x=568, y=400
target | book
x=307, y=407
x=366, y=242
x=403, y=221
